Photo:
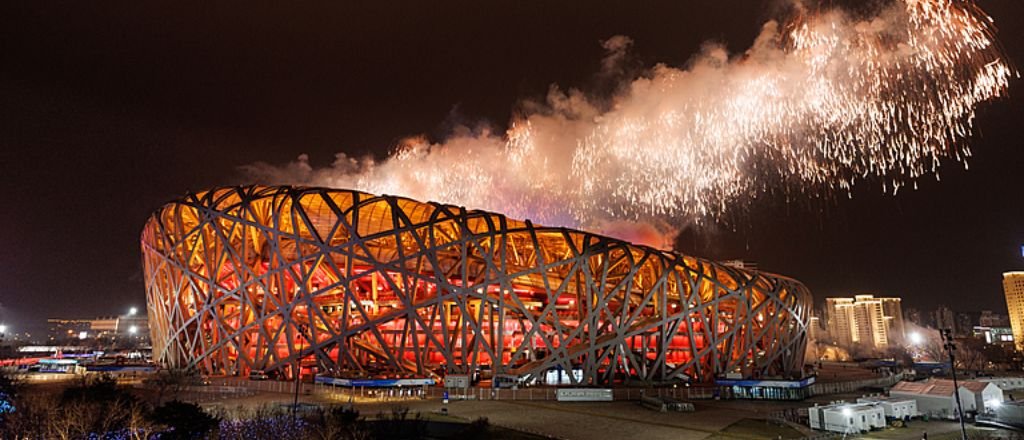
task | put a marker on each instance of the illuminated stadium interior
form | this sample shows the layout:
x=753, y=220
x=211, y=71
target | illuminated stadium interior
x=351, y=284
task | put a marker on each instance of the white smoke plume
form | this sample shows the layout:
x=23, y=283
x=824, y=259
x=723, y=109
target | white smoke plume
x=816, y=104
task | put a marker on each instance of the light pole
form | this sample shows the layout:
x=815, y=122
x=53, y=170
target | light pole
x=950, y=346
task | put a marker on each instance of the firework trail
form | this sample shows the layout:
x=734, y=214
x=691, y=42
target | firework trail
x=818, y=103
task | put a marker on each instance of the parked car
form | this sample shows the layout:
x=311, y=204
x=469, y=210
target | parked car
x=258, y=375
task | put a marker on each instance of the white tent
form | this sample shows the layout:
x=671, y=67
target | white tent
x=935, y=396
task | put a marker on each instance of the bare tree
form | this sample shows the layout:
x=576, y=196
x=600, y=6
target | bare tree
x=69, y=421
x=96, y=405
x=139, y=425
x=30, y=419
x=970, y=352
x=970, y=355
x=901, y=355
x=931, y=347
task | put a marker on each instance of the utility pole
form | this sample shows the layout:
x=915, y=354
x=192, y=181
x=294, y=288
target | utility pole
x=950, y=346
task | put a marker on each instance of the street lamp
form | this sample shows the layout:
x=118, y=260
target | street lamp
x=133, y=329
x=916, y=338
x=132, y=311
x=298, y=372
x=993, y=404
x=3, y=329
x=950, y=346
x=847, y=420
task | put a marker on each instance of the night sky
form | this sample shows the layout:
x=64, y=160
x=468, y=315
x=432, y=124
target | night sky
x=108, y=110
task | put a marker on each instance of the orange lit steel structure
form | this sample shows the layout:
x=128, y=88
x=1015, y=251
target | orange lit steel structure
x=348, y=283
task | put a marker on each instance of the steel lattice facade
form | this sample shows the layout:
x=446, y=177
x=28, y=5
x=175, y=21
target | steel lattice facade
x=348, y=283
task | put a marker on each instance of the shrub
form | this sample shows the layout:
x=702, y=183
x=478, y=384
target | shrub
x=184, y=420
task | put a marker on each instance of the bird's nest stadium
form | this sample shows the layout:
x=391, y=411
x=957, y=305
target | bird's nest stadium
x=345, y=283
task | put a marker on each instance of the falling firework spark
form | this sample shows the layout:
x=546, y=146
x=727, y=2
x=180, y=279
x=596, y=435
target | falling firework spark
x=818, y=103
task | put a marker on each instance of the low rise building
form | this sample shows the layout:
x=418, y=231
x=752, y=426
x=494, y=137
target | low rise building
x=994, y=335
x=847, y=417
x=1009, y=413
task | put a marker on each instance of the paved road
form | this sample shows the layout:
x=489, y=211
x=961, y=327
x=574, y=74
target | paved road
x=589, y=420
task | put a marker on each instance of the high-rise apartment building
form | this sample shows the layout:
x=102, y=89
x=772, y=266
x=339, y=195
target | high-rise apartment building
x=944, y=318
x=866, y=320
x=892, y=310
x=815, y=332
x=840, y=320
x=1013, y=287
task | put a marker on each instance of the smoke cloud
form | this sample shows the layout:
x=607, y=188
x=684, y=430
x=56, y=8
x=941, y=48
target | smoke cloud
x=816, y=104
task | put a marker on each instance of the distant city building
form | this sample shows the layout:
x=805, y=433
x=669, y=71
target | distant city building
x=67, y=329
x=102, y=327
x=943, y=318
x=965, y=322
x=989, y=318
x=914, y=316
x=892, y=309
x=1013, y=287
x=866, y=320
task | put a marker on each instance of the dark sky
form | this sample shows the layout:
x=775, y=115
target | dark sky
x=110, y=109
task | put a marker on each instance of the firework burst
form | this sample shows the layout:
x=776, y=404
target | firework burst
x=818, y=103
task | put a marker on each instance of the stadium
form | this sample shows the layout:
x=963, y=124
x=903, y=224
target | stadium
x=348, y=284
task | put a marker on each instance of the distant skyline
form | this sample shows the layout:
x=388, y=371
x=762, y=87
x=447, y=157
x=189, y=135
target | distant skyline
x=111, y=110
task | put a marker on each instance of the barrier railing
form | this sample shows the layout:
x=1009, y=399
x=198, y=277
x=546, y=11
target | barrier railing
x=485, y=393
x=699, y=392
x=824, y=388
